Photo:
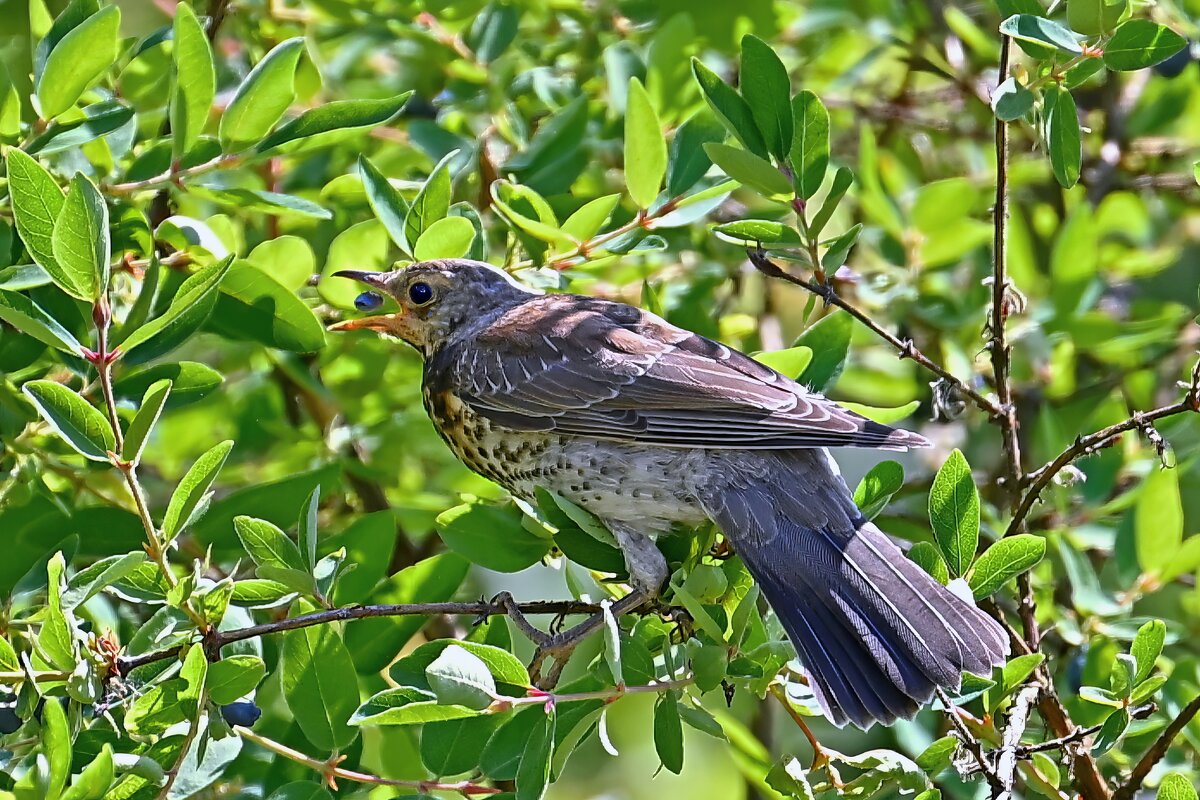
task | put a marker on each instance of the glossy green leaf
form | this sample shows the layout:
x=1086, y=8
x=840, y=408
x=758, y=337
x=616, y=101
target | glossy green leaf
x=838, y=250
x=765, y=85
x=1063, y=136
x=1158, y=521
x=1094, y=17
x=1140, y=43
x=143, y=422
x=190, y=381
x=73, y=418
x=791, y=361
x=1011, y=100
x=687, y=162
x=28, y=317
x=253, y=305
x=189, y=309
x=160, y=707
x=557, y=153
x=491, y=536
x=1147, y=647
x=493, y=30
x=37, y=202
x=56, y=746
x=459, y=677
x=929, y=558
x=432, y=202
x=750, y=170
x=288, y=259
x=843, y=178
x=234, y=677
x=590, y=218
x=274, y=203
x=194, y=80
x=78, y=60
x=57, y=640
x=1176, y=786
x=407, y=706
x=668, y=732
x=331, y=122
x=730, y=108
x=99, y=119
x=81, y=238
x=533, y=773
x=88, y=582
x=954, y=512
x=267, y=545
x=1039, y=30
x=509, y=673
x=262, y=98
x=877, y=487
x=454, y=746
x=192, y=488
x=829, y=340
x=316, y=668
x=1112, y=732
x=96, y=778
x=389, y=207
x=449, y=237
x=751, y=232
x=645, y=147
x=1003, y=561
x=809, y=155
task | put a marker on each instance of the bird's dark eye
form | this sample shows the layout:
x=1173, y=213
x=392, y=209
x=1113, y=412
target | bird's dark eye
x=368, y=301
x=420, y=293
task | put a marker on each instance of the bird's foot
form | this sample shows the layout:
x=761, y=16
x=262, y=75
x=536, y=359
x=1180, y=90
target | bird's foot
x=559, y=647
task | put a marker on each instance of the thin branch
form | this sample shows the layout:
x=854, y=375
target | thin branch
x=1006, y=758
x=174, y=175
x=1086, y=445
x=904, y=347
x=481, y=608
x=1156, y=752
x=972, y=744
x=330, y=770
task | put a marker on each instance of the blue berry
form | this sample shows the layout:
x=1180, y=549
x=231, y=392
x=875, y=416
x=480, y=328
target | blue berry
x=9, y=721
x=244, y=713
x=368, y=301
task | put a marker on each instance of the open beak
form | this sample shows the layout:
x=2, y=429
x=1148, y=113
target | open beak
x=384, y=323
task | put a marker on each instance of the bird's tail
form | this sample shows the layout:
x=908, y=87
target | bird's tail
x=875, y=632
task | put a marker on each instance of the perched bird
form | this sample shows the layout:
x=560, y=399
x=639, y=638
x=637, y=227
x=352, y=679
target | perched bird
x=647, y=425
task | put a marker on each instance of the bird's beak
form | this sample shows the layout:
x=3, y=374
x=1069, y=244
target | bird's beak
x=384, y=323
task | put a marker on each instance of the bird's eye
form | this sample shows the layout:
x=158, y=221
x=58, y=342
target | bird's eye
x=420, y=293
x=368, y=301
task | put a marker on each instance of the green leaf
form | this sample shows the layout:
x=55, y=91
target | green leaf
x=1094, y=17
x=533, y=773
x=387, y=204
x=954, y=513
x=78, y=60
x=1013, y=675
x=73, y=418
x=1039, y=30
x=1158, y=521
x=810, y=148
x=645, y=147
x=1146, y=648
x=791, y=362
x=1003, y=561
x=492, y=536
x=455, y=746
x=301, y=790
x=510, y=674
x=28, y=317
x=144, y=421
x=938, y=757
x=262, y=98
x=158, y=709
x=96, y=778
x=331, y=121
x=99, y=119
x=234, y=677
x=8, y=657
x=752, y=232
x=306, y=529
x=829, y=339
x=36, y=203
x=195, y=80
x=750, y=170
x=287, y=259
x=1176, y=786
x=253, y=305
x=1011, y=100
x=88, y=582
x=375, y=642
x=730, y=108
x=843, y=178
x=318, y=685
x=460, y=678
x=877, y=487
x=273, y=203
x=449, y=237
x=590, y=218
x=839, y=249
x=432, y=202
x=407, y=706
x=1146, y=689
x=668, y=732
x=81, y=240
x=190, y=381
x=687, y=162
x=1063, y=136
x=884, y=416
x=765, y=85
x=192, y=488
x=188, y=310
x=929, y=558
x=491, y=32
x=267, y=545
x=1140, y=43
x=1114, y=728
x=56, y=746
x=555, y=156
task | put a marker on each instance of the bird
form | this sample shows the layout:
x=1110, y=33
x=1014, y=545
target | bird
x=649, y=426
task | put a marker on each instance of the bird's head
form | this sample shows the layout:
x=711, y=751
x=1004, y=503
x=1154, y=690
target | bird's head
x=436, y=299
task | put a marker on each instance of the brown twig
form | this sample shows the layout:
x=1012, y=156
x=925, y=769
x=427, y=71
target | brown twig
x=1156, y=752
x=972, y=744
x=479, y=608
x=904, y=347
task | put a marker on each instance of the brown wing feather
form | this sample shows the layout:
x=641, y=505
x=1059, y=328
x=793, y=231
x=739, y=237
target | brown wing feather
x=589, y=367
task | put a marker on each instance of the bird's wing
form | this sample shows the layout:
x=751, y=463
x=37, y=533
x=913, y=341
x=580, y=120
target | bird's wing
x=605, y=370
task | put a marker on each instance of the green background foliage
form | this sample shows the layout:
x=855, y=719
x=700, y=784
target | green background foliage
x=186, y=453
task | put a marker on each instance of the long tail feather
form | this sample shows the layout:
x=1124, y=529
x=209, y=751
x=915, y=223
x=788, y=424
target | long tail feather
x=875, y=632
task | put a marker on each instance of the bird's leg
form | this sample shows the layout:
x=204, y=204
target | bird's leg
x=647, y=566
